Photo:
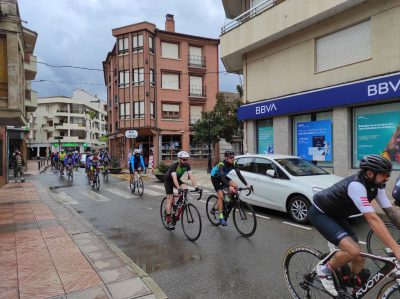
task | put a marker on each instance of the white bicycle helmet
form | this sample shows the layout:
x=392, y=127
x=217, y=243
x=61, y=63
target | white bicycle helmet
x=137, y=151
x=183, y=154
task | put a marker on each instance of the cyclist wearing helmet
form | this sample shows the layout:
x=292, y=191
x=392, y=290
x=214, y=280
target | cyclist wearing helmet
x=173, y=179
x=220, y=180
x=350, y=196
x=136, y=163
x=69, y=161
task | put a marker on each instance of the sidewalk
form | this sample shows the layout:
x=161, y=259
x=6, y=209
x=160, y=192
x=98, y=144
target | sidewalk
x=47, y=250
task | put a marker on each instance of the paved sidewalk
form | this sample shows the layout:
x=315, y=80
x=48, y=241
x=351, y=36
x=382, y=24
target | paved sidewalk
x=47, y=250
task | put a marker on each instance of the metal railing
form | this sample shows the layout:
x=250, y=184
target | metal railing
x=197, y=91
x=249, y=14
x=196, y=61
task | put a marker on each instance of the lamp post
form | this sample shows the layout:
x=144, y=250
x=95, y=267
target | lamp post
x=209, y=145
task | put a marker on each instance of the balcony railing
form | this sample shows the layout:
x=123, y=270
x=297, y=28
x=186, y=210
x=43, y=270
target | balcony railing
x=197, y=91
x=196, y=61
x=249, y=14
x=62, y=110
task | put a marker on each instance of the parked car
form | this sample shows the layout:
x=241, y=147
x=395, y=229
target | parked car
x=83, y=160
x=284, y=183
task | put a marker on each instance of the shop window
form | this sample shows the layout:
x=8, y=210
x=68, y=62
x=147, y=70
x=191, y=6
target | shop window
x=312, y=137
x=376, y=130
x=171, y=145
x=199, y=150
x=265, y=136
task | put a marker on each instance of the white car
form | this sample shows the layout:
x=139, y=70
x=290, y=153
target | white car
x=281, y=182
x=83, y=160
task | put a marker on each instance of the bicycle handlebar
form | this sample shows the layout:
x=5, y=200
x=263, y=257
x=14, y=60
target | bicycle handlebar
x=251, y=189
x=197, y=190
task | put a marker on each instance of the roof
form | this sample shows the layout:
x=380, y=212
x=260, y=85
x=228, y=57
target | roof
x=271, y=156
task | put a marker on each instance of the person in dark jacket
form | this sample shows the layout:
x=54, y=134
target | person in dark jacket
x=17, y=165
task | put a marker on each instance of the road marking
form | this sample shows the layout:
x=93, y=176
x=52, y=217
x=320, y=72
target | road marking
x=157, y=187
x=202, y=200
x=94, y=196
x=261, y=216
x=362, y=242
x=152, y=193
x=120, y=192
x=63, y=198
x=297, y=225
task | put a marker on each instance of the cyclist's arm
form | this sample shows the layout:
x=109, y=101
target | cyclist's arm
x=240, y=176
x=391, y=212
x=192, y=178
x=222, y=175
x=142, y=163
x=175, y=180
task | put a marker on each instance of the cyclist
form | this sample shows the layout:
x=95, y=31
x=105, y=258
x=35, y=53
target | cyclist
x=55, y=160
x=136, y=163
x=173, y=179
x=350, y=196
x=62, y=159
x=396, y=192
x=94, y=162
x=69, y=161
x=87, y=166
x=105, y=159
x=220, y=180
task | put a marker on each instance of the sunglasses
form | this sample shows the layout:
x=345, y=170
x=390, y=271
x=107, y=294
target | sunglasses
x=184, y=160
x=231, y=157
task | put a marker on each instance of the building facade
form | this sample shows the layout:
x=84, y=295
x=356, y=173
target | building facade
x=158, y=83
x=17, y=99
x=321, y=81
x=80, y=121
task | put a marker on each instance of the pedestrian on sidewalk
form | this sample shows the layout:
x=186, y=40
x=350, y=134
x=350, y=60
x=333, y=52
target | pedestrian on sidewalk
x=17, y=165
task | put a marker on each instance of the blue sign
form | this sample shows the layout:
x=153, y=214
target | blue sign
x=350, y=93
x=265, y=140
x=314, y=140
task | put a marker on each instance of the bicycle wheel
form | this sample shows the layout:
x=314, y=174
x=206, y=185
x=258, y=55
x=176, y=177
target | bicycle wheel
x=376, y=247
x=140, y=186
x=132, y=185
x=391, y=290
x=106, y=176
x=299, y=272
x=191, y=222
x=163, y=213
x=244, y=218
x=212, y=209
x=97, y=182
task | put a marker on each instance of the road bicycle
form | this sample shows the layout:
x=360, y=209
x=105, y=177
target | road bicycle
x=70, y=173
x=185, y=212
x=105, y=172
x=299, y=269
x=136, y=183
x=244, y=217
x=96, y=178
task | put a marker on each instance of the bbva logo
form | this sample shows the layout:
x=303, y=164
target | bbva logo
x=266, y=108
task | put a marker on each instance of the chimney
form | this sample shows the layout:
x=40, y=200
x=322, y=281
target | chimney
x=169, y=23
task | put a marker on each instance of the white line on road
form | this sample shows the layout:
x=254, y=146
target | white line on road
x=63, y=198
x=297, y=225
x=362, y=242
x=152, y=193
x=265, y=217
x=120, y=192
x=157, y=187
x=94, y=196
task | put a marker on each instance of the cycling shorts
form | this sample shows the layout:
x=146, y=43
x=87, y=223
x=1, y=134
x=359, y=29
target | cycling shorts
x=135, y=169
x=334, y=230
x=169, y=186
x=218, y=184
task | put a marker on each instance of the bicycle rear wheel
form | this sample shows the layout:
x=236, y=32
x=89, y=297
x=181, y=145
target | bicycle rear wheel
x=376, y=247
x=163, y=213
x=140, y=186
x=98, y=182
x=132, y=185
x=191, y=222
x=244, y=218
x=391, y=290
x=299, y=272
x=212, y=210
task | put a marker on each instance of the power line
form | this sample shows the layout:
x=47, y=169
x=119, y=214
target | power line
x=63, y=82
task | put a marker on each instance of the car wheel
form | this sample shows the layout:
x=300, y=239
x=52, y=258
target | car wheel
x=298, y=209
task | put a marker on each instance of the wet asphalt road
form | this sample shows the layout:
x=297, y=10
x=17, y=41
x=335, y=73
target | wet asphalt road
x=220, y=264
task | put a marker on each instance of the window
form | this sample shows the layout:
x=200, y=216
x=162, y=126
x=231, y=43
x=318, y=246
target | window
x=152, y=115
x=170, y=146
x=265, y=136
x=122, y=45
x=116, y=125
x=195, y=114
x=137, y=43
x=138, y=109
x=169, y=50
x=110, y=128
x=344, y=47
x=262, y=165
x=376, y=130
x=151, y=74
x=124, y=111
x=170, y=81
x=138, y=76
x=170, y=111
x=123, y=79
x=196, y=86
x=151, y=44
x=244, y=164
x=196, y=56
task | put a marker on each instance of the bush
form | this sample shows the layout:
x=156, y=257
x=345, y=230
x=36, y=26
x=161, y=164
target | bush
x=115, y=162
x=163, y=168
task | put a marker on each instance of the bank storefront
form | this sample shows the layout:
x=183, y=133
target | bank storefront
x=334, y=127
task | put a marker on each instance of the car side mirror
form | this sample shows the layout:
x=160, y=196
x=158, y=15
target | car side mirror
x=271, y=173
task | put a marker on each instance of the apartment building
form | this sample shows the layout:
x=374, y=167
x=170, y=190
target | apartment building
x=321, y=78
x=17, y=69
x=158, y=83
x=77, y=123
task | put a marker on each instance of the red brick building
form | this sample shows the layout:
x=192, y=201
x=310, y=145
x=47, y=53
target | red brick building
x=158, y=83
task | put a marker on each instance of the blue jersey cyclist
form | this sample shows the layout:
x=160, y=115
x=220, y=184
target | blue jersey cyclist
x=220, y=180
x=352, y=195
x=173, y=179
x=69, y=160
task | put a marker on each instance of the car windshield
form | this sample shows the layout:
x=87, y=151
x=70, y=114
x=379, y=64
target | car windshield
x=300, y=167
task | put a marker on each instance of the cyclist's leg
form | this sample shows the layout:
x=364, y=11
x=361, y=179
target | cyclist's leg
x=169, y=190
x=218, y=186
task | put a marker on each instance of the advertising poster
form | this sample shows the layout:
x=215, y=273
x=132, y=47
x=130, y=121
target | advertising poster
x=314, y=140
x=379, y=133
x=265, y=140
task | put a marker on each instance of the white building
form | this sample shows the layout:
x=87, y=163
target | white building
x=81, y=121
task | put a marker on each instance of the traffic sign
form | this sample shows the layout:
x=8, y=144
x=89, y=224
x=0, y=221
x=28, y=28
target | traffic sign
x=131, y=134
x=58, y=137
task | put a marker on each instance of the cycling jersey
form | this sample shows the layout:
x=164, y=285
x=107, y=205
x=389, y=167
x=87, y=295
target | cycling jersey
x=62, y=157
x=222, y=169
x=177, y=169
x=136, y=162
x=69, y=161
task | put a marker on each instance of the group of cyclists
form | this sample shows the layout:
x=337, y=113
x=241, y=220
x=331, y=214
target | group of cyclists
x=95, y=161
x=63, y=161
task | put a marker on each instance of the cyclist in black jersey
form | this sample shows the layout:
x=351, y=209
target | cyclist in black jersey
x=173, y=179
x=220, y=180
x=353, y=195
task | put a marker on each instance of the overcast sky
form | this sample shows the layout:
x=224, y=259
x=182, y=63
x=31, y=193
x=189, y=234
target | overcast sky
x=78, y=33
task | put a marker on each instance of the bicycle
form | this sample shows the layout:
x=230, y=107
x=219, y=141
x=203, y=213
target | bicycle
x=70, y=173
x=185, y=212
x=299, y=268
x=136, y=183
x=105, y=172
x=244, y=217
x=96, y=178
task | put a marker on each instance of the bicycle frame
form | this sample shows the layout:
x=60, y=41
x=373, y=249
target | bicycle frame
x=184, y=197
x=390, y=269
x=227, y=207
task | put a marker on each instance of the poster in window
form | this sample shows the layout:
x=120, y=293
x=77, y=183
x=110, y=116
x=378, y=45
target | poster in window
x=379, y=133
x=314, y=140
x=265, y=140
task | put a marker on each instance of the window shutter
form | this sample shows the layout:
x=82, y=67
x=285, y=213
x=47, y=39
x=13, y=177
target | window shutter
x=171, y=107
x=170, y=81
x=169, y=50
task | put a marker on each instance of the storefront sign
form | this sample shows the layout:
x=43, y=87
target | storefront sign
x=265, y=140
x=67, y=144
x=131, y=134
x=379, y=88
x=379, y=133
x=314, y=140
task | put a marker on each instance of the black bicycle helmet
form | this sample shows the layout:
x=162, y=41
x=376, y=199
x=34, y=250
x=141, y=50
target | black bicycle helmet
x=229, y=153
x=376, y=164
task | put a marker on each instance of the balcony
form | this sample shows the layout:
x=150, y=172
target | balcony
x=243, y=33
x=196, y=61
x=197, y=92
x=30, y=66
x=30, y=100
